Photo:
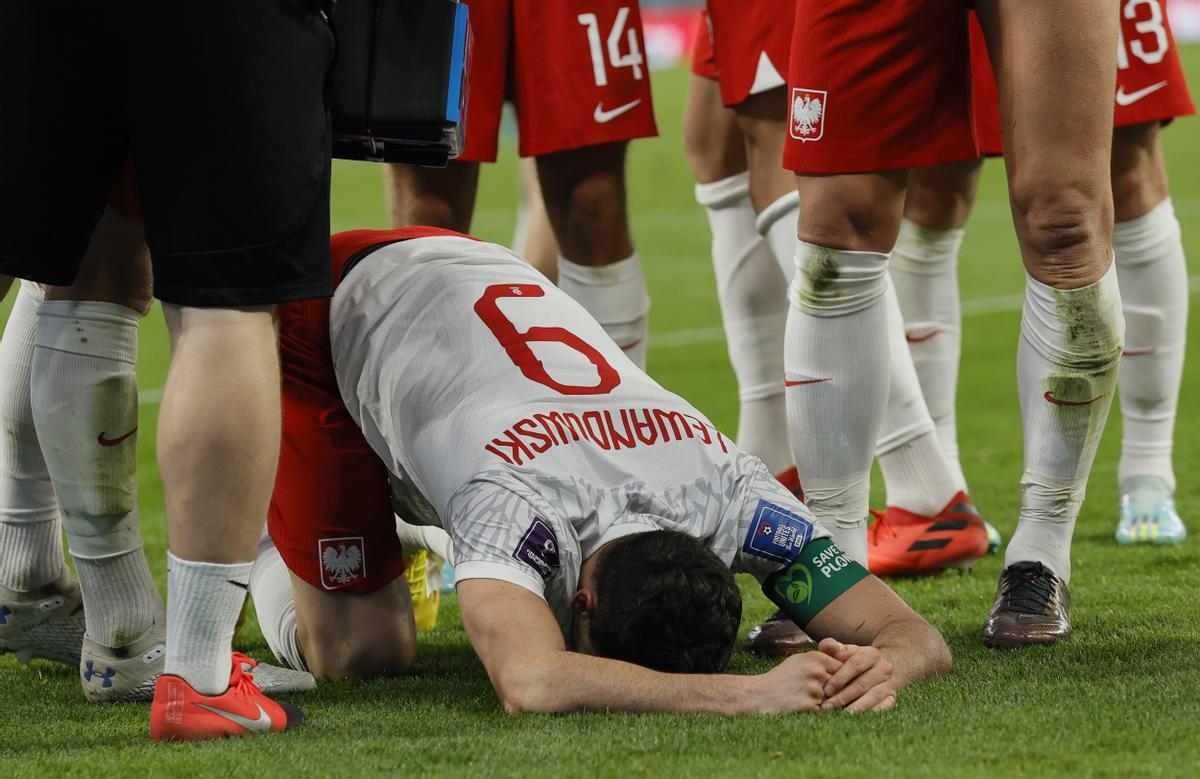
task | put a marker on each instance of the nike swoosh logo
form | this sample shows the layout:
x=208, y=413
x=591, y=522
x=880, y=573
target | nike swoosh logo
x=1129, y=98
x=113, y=441
x=630, y=345
x=918, y=339
x=1139, y=352
x=244, y=586
x=802, y=382
x=1049, y=396
x=260, y=725
x=602, y=117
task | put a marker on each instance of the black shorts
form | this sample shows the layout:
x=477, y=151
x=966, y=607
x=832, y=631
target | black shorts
x=220, y=104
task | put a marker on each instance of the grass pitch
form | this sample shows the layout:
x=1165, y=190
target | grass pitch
x=1119, y=699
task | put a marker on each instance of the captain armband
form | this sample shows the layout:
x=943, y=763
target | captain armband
x=818, y=575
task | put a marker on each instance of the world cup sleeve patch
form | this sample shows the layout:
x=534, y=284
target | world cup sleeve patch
x=776, y=534
x=538, y=548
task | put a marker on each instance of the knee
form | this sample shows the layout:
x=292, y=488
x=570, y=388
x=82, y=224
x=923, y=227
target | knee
x=382, y=653
x=1065, y=230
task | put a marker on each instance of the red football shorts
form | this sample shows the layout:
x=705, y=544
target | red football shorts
x=878, y=86
x=1150, y=83
x=576, y=72
x=704, y=59
x=750, y=40
x=331, y=512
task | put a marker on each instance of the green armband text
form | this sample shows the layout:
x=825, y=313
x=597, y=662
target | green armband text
x=818, y=575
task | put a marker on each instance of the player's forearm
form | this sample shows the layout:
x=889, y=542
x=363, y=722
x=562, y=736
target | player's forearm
x=568, y=681
x=916, y=650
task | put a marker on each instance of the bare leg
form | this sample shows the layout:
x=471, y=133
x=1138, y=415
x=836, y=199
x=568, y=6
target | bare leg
x=372, y=634
x=584, y=193
x=1056, y=66
x=750, y=288
x=534, y=238
x=437, y=197
x=924, y=270
x=1152, y=273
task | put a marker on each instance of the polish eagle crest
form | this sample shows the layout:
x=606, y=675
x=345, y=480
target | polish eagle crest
x=808, y=114
x=342, y=562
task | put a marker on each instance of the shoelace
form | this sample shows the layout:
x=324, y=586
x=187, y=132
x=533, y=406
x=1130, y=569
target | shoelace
x=1028, y=588
x=240, y=660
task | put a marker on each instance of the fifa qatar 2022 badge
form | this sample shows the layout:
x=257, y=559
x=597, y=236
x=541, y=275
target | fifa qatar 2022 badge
x=343, y=561
x=538, y=548
x=807, y=120
x=776, y=534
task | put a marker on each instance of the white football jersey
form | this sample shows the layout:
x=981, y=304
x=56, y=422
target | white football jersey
x=505, y=411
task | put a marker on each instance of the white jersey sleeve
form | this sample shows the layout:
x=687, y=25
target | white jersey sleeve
x=498, y=532
x=773, y=526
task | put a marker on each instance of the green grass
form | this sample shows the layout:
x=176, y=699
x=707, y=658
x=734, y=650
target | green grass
x=1119, y=699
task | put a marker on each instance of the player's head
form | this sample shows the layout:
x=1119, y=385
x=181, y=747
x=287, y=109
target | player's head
x=660, y=599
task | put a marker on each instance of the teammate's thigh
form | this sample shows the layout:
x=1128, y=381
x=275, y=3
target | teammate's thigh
x=231, y=143
x=584, y=193
x=711, y=139
x=355, y=635
x=579, y=75
x=1139, y=170
x=762, y=119
x=940, y=197
x=59, y=68
x=436, y=197
x=115, y=268
x=1055, y=69
x=855, y=212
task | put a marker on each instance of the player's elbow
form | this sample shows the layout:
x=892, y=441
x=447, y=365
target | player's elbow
x=938, y=660
x=525, y=690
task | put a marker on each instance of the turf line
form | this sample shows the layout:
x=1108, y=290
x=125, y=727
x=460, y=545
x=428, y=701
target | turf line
x=674, y=339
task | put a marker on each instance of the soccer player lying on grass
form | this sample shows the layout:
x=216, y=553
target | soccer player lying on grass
x=588, y=507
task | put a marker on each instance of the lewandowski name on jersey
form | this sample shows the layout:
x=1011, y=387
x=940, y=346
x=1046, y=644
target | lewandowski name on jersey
x=608, y=429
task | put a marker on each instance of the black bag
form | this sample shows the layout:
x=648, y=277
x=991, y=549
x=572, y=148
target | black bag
x=399, y=81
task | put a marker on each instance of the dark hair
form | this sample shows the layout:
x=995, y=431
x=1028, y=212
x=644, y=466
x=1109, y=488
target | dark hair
x=665, y=601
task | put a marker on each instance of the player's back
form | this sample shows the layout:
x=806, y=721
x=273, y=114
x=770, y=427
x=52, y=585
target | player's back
x=454, y=356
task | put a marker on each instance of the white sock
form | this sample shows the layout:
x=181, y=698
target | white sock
x=31, y=551
x=777, y=223
x=84, y=386
x=204, y=601
x=1153, y=277
x=753, y=298
x=915, y=472
x=1071, y=342
x=924, y=269
x=275, y=604
x=837, y=369
x=616, y=296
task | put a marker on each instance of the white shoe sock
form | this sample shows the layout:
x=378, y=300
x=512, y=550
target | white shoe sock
x=777, y=223
x=204, y=601
x=84, y=385
x=31, y=551
x=917, y=476
x=275, y=604
x=753, y=299
x=924, y=269
x=837, y=371
x=616, y=296
x=1071, y=342
x=1152, y=273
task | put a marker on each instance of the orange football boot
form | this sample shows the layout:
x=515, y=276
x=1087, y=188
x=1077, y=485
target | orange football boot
x=901, y=543
x=179, y=713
